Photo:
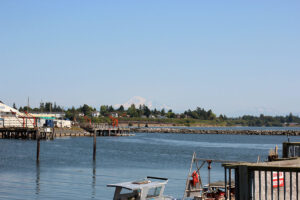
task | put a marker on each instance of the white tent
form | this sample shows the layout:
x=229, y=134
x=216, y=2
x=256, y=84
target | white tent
x=10, y=117
x=7, y=109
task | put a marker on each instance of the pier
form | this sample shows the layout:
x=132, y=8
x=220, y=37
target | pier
x=52, y=133
x=106, y=130
x=26, y=133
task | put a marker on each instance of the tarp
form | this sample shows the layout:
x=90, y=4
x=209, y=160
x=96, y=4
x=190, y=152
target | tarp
x=46, y=117
x=7, y=109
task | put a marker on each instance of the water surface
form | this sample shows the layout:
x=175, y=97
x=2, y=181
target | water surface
x=66, y=170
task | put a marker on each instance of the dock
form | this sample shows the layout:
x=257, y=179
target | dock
x=106, y=130
x=46, y=133
x=26, y=133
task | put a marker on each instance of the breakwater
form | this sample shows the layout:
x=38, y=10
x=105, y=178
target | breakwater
x=205, y=131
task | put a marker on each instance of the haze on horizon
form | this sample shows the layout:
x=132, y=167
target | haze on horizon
x=232, y=57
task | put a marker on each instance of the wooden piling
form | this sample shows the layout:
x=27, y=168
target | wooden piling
x=53, y=134
x=94, y=152
x=38, y=146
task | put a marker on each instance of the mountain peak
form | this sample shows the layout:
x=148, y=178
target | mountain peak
x=138, y=101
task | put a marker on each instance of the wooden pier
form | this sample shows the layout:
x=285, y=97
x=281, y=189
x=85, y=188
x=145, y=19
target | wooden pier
x=106, y=130
x=52, y=133
x=26, y=133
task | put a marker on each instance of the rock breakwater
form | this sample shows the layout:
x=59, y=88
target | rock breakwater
x=205, y=131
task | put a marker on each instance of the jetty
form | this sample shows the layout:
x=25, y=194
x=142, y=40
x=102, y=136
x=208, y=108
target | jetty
x=216, y=131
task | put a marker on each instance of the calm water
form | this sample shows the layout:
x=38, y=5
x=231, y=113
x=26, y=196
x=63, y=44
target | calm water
x=66, y=170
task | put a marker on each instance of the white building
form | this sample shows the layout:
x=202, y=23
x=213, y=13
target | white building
x=10, y=117
x=80, y=114
x=6, y=110
x=115, y=115
x=96, y=114
x=62, y=123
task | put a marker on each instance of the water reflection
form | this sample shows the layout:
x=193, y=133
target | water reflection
x=94, y=181
x=37, y=181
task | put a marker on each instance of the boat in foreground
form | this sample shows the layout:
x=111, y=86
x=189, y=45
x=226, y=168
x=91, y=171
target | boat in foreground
x=150, y=188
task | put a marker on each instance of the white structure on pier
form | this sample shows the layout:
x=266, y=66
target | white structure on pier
x=10, y=117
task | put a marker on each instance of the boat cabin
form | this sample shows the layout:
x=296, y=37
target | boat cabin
x=150, y=188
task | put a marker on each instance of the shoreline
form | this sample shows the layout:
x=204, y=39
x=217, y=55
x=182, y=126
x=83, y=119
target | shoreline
x=223, y=132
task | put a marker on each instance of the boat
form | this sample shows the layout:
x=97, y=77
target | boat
x=212, y=191
x=150, y=188
x=217, y=191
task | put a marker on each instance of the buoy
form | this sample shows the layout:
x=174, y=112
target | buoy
x=195, y=178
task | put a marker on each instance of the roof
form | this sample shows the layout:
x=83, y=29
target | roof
x=46, y=113
x=133, y=185
x=281, y=164
x=7, y=109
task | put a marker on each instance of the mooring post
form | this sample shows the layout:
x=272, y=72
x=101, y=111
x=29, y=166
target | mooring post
x=53, y=134
x=94, y=152
x=38, y=146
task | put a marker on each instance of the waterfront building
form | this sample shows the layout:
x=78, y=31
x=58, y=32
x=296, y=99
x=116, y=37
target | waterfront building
x=95, y=114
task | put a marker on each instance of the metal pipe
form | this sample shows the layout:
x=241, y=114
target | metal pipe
x=209, y=168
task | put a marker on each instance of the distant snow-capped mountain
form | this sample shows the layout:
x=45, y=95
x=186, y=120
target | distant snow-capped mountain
x=137, y=101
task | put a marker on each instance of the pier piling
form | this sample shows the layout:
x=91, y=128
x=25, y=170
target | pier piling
x=38, y=146
x=94, y=151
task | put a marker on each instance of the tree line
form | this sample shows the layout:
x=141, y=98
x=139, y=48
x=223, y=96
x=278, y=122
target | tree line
x=44, y=107
x=145, y=113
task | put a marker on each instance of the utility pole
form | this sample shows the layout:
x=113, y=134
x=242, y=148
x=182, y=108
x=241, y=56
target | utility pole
x=27, y=104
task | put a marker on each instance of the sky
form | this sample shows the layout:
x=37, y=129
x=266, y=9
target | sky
x=234, y=57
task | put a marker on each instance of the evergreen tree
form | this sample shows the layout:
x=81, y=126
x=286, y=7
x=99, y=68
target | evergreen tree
x=104, y=110
x=163, y=112
x=132, y=111
x=121, y=108
x=146, y=111
x=42, y=107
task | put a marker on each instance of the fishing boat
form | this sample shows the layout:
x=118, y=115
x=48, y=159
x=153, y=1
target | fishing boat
x=212, y=191
x=150, y=188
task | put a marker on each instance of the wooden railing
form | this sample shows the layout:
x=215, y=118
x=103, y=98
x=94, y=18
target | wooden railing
x=264, y=182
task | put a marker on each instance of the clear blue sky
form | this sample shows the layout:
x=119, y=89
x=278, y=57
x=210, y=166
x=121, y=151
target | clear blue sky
x=234, y=57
